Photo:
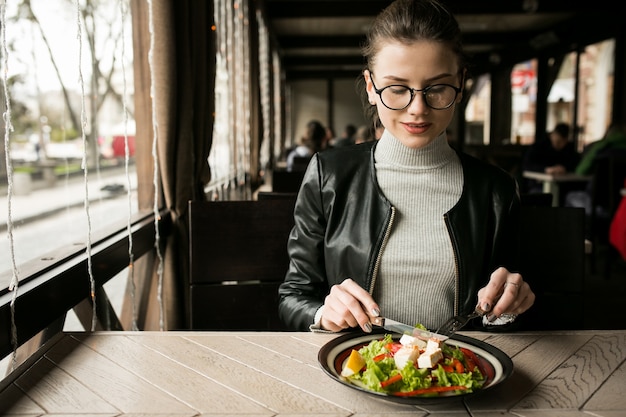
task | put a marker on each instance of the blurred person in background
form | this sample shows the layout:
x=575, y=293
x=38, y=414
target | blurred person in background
x=346, y=138
x=313, y=141
x=554, y=155
x=364, y=134
x=613, y=142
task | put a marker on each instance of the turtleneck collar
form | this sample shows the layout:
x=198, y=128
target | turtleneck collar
x=389, y=150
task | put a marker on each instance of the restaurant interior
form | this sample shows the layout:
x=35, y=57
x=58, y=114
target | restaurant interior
x=218, y=92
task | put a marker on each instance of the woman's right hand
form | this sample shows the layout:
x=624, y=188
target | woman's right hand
x=348, y=305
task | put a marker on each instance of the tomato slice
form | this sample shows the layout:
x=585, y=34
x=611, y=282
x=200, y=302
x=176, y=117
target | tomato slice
x=458, y=366
x=382, y=356
x=471, y=357
x=393, y=347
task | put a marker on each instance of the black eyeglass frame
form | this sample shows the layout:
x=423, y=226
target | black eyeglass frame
x=413, y=92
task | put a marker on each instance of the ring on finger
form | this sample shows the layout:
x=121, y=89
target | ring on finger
x=511, y=283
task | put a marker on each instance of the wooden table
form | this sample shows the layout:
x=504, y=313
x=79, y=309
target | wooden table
x=561, y=374
x=551, y=183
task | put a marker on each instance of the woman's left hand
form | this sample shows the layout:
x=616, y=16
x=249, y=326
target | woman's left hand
x=506, y=293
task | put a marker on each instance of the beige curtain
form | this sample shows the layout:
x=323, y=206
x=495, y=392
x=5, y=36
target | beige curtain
x=183, y=65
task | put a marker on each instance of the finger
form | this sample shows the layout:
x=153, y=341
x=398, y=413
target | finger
x=331, y=321
x=507, y=293
x=489, y=295
x=525, y=299
x=508, y=301
x=364, y=297
x=366, y=308
x=341, y=305
x=345, y=309
x=336, y=319
x=516, y=299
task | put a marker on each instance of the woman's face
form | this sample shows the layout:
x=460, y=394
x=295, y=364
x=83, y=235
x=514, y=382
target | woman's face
x=416, y=65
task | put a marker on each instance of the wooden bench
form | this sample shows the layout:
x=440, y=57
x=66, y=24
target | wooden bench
x=284, y=181
x=536, y=199
x=238, y=258
x=273, y=195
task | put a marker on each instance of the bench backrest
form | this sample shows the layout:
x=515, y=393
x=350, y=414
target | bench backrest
x=284, y=181
x=552, y=247
x=238, y=258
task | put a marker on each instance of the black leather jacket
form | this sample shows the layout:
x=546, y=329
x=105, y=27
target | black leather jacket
x=342, y=220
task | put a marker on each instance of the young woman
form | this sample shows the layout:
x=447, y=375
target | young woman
x=405, y=227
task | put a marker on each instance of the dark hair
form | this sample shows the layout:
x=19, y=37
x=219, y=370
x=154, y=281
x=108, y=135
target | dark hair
x=407, y=21
x=562, y=129
x=365, y=133
x=314, y=135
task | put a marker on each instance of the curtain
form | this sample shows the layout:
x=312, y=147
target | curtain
x=183, y=66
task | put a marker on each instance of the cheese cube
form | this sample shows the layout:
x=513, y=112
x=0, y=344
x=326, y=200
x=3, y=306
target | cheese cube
x=433, y=344
x=429, y=359
x=408, y=340
x=431, y=355
x=406, y=354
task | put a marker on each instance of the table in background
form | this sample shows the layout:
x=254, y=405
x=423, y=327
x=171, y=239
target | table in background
x=277, y=373
x=551, y=183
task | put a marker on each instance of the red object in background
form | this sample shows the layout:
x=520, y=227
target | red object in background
x=118, y=146
x=522, y=77
x=617, y=230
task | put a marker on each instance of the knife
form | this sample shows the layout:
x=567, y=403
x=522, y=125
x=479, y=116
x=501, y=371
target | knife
x=398, y=327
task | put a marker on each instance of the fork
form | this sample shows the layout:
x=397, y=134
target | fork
x=456, y=323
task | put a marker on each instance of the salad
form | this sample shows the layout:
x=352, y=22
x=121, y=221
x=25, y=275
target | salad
x=413, y=367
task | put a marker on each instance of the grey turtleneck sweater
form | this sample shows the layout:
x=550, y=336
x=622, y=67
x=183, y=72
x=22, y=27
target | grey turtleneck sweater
x=416, y=279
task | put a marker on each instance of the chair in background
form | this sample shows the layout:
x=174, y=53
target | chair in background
x=238, y=258
x=273, y=195
x=608, y=180
x=536, y=199
x=552, y=250
x=284, y=181
x=300, y=163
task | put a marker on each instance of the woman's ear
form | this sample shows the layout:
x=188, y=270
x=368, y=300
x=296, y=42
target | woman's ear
x=369, y=87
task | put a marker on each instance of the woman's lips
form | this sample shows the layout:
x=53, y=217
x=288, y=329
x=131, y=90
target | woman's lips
x=416, y=128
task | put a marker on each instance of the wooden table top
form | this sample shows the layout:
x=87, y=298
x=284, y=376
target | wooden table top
x=561, y=374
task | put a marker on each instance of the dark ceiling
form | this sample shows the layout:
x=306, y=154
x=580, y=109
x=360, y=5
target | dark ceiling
x=321, y=38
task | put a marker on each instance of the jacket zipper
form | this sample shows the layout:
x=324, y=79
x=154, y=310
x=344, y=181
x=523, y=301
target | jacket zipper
x=456, y=265
x=380, y=251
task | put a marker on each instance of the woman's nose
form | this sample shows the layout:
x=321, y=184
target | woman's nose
x=418, y=105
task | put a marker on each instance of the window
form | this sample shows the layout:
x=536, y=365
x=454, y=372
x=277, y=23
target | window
x=230, y=150
x=524, y=96
x=588, y=74
x=478, y=112
x=591, y=72
x=596, y=78
x=49, y=105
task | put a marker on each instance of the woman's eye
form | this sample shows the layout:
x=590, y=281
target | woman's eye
x=398, y=90
x=436, y=89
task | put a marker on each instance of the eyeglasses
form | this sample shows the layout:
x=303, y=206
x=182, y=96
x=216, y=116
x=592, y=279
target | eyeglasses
x=399, y=97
